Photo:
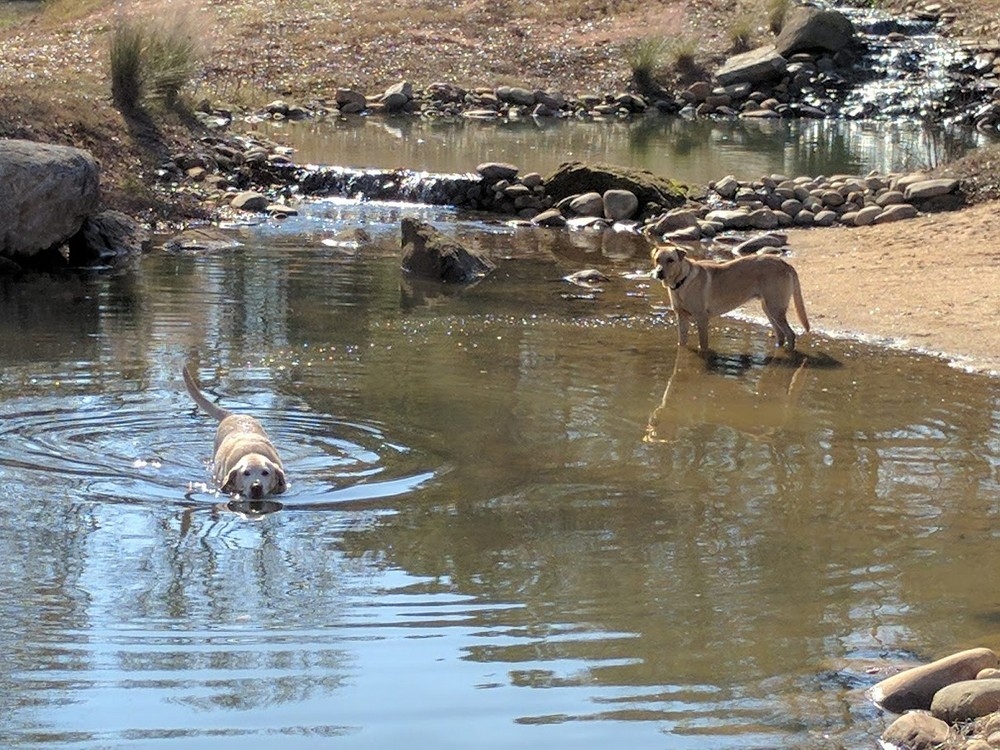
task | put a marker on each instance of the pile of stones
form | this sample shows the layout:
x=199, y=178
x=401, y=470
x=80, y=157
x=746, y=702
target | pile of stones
x=777, y=201
x=253, y=175
x=952, y=702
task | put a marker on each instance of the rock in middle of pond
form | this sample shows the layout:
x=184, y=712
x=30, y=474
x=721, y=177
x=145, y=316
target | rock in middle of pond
x=430, y=254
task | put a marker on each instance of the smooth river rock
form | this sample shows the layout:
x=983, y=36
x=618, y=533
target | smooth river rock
x=916, y=730
x=915, y=688
x=47, y=193
x=969, y=699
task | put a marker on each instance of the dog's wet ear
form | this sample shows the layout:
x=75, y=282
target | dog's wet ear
x=681, y=253
x=230, y=485
x=279, y=480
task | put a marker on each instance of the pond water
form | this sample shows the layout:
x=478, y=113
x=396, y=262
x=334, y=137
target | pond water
x=518, y=516
x=695, y=152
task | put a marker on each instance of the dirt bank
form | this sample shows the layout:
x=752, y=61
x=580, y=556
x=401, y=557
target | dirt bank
x=930, y=283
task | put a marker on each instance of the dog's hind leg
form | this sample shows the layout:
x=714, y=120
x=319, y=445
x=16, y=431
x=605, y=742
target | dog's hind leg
x=782, y=331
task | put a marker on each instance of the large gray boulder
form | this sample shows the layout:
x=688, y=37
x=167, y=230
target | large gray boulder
x=760, y=65
x=431, y=255
x=46, y=193
x=809, y=29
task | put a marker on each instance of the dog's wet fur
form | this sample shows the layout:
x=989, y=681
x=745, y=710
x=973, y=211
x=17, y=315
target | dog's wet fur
x=245, y=461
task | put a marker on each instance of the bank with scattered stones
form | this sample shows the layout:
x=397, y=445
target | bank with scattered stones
x=804, y=71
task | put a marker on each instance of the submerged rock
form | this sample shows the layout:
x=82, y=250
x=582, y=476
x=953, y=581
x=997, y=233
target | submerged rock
x=108, y=238
x=430, y=254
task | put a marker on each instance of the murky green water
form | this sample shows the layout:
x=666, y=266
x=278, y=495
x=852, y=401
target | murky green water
x=517, y=517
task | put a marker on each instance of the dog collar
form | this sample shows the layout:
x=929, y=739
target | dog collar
x=677, y=286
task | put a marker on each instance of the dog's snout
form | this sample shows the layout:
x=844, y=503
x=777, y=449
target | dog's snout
x=657, y=272
x=256, y=491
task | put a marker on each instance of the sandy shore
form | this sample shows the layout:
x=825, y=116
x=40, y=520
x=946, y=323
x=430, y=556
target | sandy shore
x=928, y=284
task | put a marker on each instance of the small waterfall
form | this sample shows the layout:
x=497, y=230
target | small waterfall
x=391, y=185
x=908, y=71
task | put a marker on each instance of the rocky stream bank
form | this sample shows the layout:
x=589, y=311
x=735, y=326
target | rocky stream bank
x=810, y=70
x=950, y=703
x=847, y=63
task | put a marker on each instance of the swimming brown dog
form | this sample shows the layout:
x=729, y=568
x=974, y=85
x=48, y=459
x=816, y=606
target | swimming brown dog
x=701, y=289
x=245, y=461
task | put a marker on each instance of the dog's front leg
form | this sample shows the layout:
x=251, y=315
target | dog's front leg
x=683, y=320
x=702, y=321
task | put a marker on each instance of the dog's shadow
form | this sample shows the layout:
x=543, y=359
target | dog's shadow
x=756, y=396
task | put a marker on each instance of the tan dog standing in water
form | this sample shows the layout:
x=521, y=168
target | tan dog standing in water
x=245, y=461
x=701, y=289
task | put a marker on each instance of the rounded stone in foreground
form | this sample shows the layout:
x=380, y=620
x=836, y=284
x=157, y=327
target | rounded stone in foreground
x=620, y=204
x=917, y=730
x=969, y=699
x=916, y=687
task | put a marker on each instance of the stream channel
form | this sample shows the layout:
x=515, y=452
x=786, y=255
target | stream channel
x=518, y=516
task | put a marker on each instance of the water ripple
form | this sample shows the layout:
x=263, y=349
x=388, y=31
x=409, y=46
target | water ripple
x=96, y=447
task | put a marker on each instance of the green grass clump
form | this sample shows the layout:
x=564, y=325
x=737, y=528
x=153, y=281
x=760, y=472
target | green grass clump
x=776, y=12
x=151, y=60
x=741, y=34
x=645, y=57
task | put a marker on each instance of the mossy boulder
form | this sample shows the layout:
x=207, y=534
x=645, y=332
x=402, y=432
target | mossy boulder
x=574, y=178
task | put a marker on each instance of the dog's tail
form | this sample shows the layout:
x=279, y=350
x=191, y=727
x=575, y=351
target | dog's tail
x=800, y=305
x=200, y=398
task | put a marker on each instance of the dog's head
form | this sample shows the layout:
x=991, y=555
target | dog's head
x=668, y=264
x=255, y=476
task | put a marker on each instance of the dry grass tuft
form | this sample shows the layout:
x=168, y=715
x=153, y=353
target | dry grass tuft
x=741, y=34
x=645, y=57
x=776, y=12
x=152, y=60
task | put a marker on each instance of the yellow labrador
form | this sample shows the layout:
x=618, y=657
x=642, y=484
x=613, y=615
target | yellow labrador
x=246, y=462
x=701, y=289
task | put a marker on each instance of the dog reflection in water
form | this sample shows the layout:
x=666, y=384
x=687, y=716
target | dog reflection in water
x=248, y=510
x=753, y=398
